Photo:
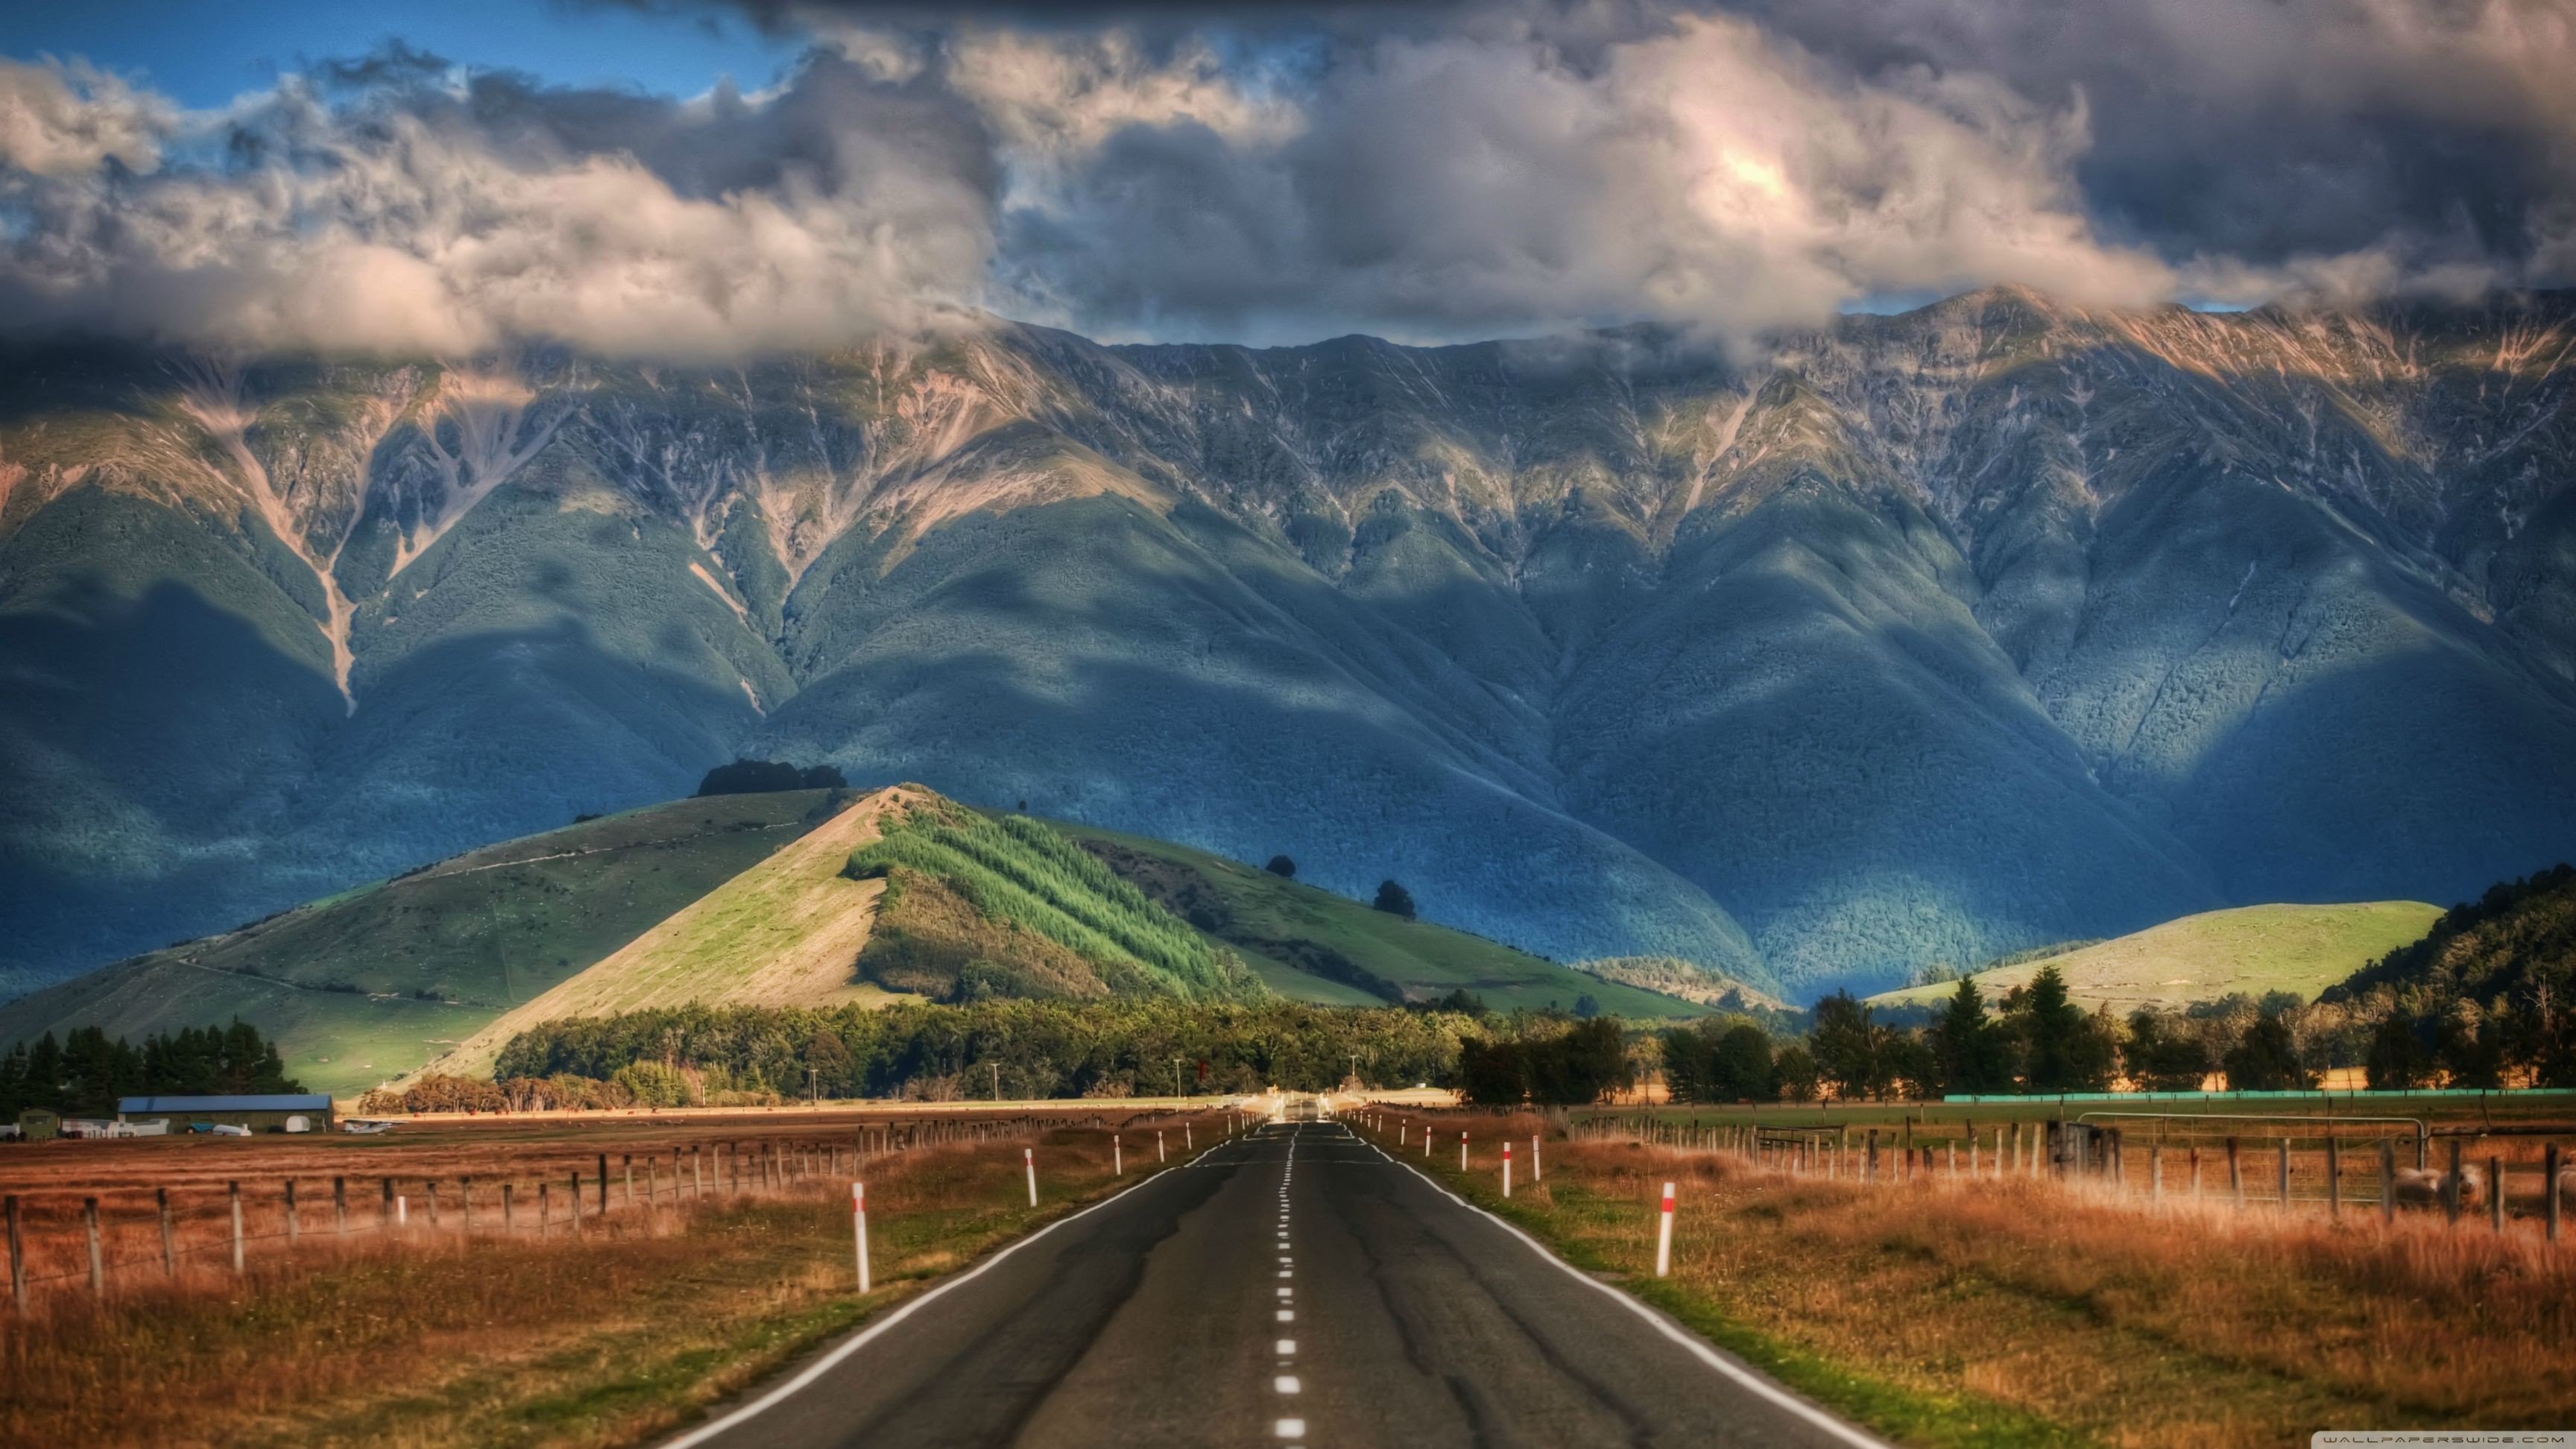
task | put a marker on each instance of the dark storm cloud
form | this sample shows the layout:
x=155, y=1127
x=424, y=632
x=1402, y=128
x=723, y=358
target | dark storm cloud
x=1447, y=168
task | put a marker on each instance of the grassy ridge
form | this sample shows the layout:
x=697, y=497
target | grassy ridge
x=1017, y=871
x=1313, y=945
x=375, y=981
x=2252, y=949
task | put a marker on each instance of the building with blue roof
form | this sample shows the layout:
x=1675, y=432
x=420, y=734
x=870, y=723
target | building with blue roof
x=266, y=1112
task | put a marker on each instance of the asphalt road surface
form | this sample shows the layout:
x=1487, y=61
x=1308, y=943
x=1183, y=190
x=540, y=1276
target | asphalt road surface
x=1295, y=1286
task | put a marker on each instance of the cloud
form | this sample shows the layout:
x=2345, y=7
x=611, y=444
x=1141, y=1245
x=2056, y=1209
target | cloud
x=425, y=217
x=67, y=120
x=1701, y=174
x=1448, y=169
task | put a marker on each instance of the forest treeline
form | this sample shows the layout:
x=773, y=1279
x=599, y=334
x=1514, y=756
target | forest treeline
x=2036, y=1039
x=1022, y=1049
x=85, y=1072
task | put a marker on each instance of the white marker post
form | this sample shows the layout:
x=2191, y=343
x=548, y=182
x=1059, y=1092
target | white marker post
x=1029, y=1156
x=1664, y=1236
x=1538, y=1173
x=1117, y=1156
x=1507, y=1169
x=1158, y=1148
x=1402, y=1131
x=1462, y=1151
x=1188, y=1143
x=859, y=1225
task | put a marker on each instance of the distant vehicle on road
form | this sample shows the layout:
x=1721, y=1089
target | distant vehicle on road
x=367, y=1126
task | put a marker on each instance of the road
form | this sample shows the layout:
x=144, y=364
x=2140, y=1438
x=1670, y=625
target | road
x=1295, y=1286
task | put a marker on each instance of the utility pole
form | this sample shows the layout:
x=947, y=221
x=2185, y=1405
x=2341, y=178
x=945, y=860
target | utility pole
x=1355, y=1066
x=813, y=1088
x=1176, y=1078
x=997, y=1080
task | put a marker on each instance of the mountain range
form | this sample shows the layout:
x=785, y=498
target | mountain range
x=1909, y=639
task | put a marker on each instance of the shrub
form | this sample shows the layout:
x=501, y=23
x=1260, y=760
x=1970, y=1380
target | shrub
x=1394, y=899
x=1282, y=867
x=757, y=777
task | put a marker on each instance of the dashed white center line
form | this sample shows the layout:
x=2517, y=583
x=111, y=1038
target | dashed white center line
x=1292, y=1428
x=1287, y=1348
x=1285, y=1383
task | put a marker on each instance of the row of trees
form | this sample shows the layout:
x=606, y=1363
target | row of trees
x=85, y=1072
x=1545, y=1061
x=2039, y=1040
x=1018, y=1048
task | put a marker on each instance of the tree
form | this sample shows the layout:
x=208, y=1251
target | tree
x=1795, y=1070
x=1849, y=1046
x=2398, y=1060
x=1394, y=899
x=2066, y=1051
x=1972, y=1052
x=1586, y=1006
x=1740, y=1065
x=2162, y=1058
x=2266, y=1059
x=753, y=777
x=1282, y=867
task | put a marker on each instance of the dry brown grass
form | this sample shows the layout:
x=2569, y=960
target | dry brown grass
x=2077, y=1315
x=442, y=1338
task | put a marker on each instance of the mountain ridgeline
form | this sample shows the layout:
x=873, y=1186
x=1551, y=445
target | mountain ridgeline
x=1910, y=639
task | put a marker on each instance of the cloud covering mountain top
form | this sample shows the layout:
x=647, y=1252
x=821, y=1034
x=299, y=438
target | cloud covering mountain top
x=1427, y=172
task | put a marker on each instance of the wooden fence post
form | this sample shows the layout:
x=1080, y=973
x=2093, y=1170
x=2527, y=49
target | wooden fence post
x=507, y=1225
x=1872, y=1170
x=2548, y=1192
x=2334, y=1178
x=2387, y=1181
x=235, y=1190
x=628, y=1163
x=2495, y=1192
x=340, y=1206
x=2155, y=1172
x=2235, y=1175
x=544, y=1218
x=698, y=1169
x=18, y=1248
x=2281, y=1193
x=576, y=1203
x=465, y=1190
x=385, y=1209
x=97, y=1268
x=603, y=1183
x=294, y=1229
x=429, y=1189
x=169, y=1235
x=2451, y=1187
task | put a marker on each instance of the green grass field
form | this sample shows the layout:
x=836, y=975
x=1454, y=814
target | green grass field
x=2252, y=949
x=1264, y=917
x=374, y=982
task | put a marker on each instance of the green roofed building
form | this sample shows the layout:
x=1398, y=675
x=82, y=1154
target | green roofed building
x=276, y=1112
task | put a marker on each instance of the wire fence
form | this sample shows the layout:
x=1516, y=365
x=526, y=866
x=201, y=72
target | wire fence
x=62, y=1239
x=2518, y=1180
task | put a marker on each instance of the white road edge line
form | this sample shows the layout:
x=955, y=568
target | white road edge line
x=1699, y=1348
x=861, y=1339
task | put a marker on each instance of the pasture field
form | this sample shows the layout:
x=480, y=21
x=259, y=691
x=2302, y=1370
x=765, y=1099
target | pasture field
x=2250, y=949
x=608, y=1334
x=1941, y=1310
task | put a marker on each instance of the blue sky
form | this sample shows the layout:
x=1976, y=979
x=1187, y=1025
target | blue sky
x=203, y=59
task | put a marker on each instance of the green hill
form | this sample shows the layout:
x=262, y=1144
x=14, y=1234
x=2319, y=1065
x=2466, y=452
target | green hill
x=373, y=982
x=810, y=898
x=1312, y=945
x=2518, y=942
x=2252, y=949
